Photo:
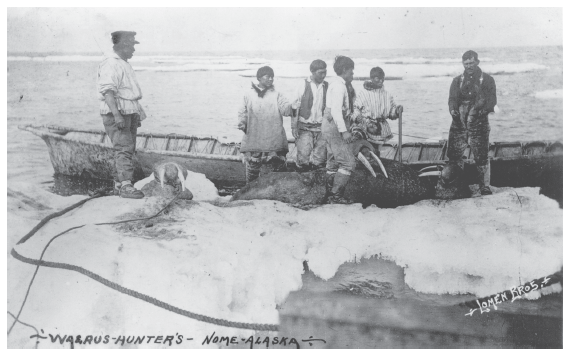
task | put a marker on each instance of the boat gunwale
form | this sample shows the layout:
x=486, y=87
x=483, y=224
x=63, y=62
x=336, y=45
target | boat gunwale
x=43, y=130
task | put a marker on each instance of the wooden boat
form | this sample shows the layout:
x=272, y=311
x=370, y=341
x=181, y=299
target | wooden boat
x=88, y=153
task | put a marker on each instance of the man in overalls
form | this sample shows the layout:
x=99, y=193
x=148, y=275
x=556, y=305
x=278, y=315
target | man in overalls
x=472, y=96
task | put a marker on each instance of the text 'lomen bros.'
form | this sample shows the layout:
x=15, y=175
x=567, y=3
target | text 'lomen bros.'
x=513, y=294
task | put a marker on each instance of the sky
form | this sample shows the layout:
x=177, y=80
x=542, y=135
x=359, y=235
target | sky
x=78, y=30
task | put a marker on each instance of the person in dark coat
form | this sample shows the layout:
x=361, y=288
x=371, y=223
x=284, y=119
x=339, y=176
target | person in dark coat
x=472, y=96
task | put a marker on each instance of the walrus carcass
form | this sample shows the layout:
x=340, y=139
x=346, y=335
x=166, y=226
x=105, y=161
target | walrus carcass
x=402, y=187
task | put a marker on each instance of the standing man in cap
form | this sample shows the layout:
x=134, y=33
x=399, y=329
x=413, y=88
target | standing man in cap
x=335, y=126
x=261, y=119
x=472, y=96
x=119, y=93
x=311, y=102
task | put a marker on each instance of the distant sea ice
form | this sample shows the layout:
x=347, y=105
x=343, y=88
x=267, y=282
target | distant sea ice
x=549, y=94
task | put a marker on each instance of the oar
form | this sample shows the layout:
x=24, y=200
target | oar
x=296, y=121
x=400, y=136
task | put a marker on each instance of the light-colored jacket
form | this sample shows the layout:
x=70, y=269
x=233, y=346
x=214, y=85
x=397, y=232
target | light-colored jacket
x=117, y=75
x=375, y=103
x=263, y=120
x=337, y=108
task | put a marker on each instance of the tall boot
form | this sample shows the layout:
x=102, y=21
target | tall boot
x=329, y=181
x=484, y=178
x=252, y=169
x=337, y=190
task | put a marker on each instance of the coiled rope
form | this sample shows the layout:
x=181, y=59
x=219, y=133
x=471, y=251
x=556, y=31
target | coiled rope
x=40, y=262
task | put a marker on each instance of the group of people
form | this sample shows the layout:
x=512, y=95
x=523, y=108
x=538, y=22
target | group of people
x=327, y=118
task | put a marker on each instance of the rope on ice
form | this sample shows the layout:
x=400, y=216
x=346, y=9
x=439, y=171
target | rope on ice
x=144, y=297
x=113, y=285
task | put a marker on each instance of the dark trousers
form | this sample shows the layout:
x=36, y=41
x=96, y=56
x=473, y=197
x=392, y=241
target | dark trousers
x=124, y=144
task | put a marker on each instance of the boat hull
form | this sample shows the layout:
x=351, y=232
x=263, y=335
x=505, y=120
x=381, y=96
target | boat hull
x=95, y=159
x=89, y=154
x=75, y=158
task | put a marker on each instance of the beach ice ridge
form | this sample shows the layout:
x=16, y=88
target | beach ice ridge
x=240, y=260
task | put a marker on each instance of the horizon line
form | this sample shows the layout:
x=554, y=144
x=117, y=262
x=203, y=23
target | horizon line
x=271, y=50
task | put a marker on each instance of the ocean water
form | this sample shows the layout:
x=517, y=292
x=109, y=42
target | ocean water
x=199, y=93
